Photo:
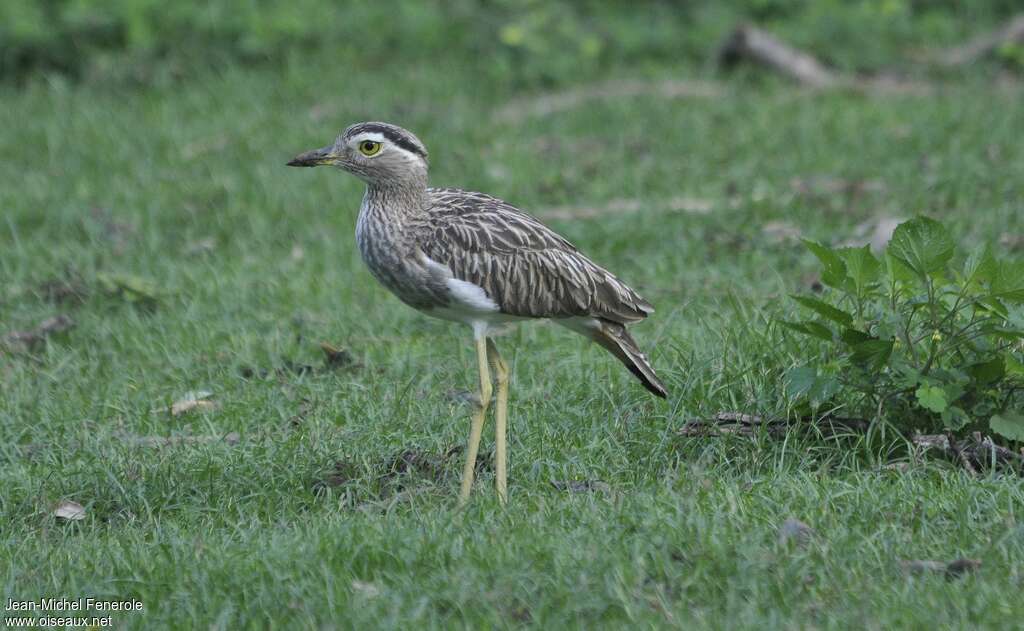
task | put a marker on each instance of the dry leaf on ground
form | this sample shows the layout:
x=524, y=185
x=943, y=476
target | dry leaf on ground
x=367, y=589
x=335, y=357
x=795, y=531
x=69, y=510
x=191, y=401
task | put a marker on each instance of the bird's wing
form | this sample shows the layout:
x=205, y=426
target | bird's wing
x=521, y=264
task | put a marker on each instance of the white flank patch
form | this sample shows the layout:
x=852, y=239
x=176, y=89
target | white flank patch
x=439, y=269
x=467, y=296
x=471, y=296
x=469, y=302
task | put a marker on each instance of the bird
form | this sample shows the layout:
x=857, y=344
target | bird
x=472, y=258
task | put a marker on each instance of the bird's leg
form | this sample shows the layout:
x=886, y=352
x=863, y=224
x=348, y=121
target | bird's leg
x=500, y=422
x=478, y=420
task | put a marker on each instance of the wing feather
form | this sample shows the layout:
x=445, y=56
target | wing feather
x=521, y=264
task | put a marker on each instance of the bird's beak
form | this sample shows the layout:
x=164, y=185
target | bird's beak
x=312, y=158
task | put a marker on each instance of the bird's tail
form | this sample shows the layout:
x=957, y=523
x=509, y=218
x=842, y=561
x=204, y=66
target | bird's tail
x=614, y=337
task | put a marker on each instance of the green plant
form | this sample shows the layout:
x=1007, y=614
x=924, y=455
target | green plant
x=522, y=43
x=931, y=338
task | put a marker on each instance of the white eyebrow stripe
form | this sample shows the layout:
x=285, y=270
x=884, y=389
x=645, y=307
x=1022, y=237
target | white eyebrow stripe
x=369, y=135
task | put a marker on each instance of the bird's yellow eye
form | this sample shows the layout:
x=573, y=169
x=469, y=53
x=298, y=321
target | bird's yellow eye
x=369, y=148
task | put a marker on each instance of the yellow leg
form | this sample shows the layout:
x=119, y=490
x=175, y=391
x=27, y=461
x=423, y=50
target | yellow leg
x=478, y=420
x=500, y=422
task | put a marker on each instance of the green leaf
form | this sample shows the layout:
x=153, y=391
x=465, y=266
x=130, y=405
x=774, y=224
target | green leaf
x=813, y=329
x=897, y=270
x=818, y=330
x=824, y=389
x=932, y=398
x=987, y=372
x=824, y=309
x=989, y=303
x=954, y=418
x=132, y=288
x=923, y=245
x=1014, y=367
x=979, y=267
x=1008, y=425
x=862, y=267
x=1004, y=333
x=853, y=336
x=803, y=383
x=874, y=353
x=800, y=380
x=907, y=376
x=1008, y=281
x=834, y=272
x=794, y=326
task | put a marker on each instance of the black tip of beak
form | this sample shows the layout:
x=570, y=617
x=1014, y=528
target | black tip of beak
x=312, y=158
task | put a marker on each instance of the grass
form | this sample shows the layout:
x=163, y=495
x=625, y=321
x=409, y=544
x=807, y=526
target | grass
x=255, y=264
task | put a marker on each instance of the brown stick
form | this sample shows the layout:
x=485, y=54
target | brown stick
x=974, y=452
x=30, y=339
x=749, y=42
x=983, y=45
x=741, y=424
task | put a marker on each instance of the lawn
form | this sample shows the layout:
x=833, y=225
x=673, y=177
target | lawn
x=312, y=495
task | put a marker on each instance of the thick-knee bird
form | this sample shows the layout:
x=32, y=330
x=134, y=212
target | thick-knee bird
x=473, y=258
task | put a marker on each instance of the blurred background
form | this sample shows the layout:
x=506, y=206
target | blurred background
x=524, y=43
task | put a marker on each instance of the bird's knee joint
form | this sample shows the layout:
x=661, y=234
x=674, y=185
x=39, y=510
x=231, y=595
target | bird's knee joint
x=485, y=395
x=501, y=372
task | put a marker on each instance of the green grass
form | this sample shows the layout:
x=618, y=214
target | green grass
x=217, y=535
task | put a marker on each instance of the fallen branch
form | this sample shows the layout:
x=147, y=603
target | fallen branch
x=749, y=42
x=739, y=424
x=974, y=453
x=28, y=340
x=1010, y=33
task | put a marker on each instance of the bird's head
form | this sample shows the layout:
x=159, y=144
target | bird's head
x=378, y=153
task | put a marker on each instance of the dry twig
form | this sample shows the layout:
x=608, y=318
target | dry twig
x=1010, y=33
x=737, y=423
x=749, y=42
x=28, y=340
x=975, y=453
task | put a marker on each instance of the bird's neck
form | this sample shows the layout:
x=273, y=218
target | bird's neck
x=396, y=202
x=389, y=209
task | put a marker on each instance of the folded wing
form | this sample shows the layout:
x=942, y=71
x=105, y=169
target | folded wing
x=521, y=264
